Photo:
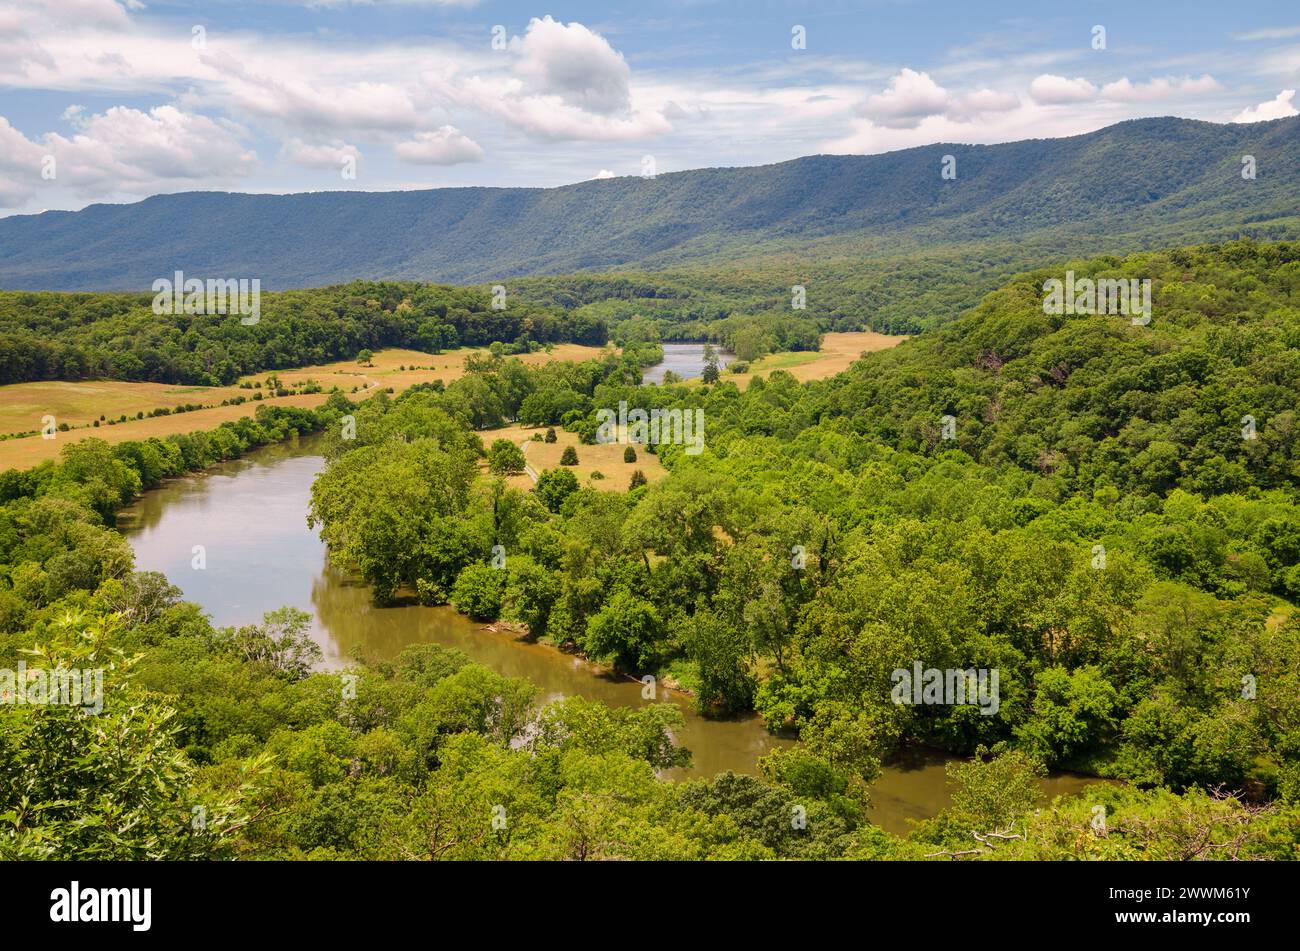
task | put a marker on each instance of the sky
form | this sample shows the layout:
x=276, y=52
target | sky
x=116, y=100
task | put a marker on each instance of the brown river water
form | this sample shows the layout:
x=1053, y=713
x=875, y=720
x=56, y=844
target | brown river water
x=251, y=517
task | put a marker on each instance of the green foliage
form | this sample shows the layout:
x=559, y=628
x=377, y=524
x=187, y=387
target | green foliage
x=626, y=632
x=46, y=336
x=479, y=591
x=505, y=458
x=554, y=486
x=1099, y=533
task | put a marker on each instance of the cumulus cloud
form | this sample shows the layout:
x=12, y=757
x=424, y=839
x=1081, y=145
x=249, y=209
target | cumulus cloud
x=128, y=150
x=1051, y=90
x=1279, y=107
x=575, y=64
x=1123, y=90
x=320, y=155
x=909, y=98
x=605, y=173
x=444, y=146
x=912, y=97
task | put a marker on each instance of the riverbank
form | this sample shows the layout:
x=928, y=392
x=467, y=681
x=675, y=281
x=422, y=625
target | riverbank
x=250, y=515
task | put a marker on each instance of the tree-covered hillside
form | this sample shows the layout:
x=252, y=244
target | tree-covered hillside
x=1142, y=183
x=1104, y=527
x=1140, y=615
x=65, y=336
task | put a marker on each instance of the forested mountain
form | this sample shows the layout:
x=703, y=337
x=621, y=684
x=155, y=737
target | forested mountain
x=1137, y=184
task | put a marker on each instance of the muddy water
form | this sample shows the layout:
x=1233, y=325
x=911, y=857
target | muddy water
x=250, y=516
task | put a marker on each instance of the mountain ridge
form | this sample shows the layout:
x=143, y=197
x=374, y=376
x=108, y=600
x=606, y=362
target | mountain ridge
x=1176, y=172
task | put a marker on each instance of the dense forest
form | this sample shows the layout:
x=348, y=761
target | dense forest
x=1104, y=513
x=47, y=336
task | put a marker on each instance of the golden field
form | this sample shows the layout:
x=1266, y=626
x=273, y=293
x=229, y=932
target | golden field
x=838, y=352
x=78, y=404
x=605, y=459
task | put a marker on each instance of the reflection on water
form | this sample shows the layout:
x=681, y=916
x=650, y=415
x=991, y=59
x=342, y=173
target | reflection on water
x=250, y=516
x=684, y=359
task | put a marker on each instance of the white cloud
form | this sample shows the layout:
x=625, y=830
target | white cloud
x=318, y=155
x=444, y=146
x=605, y=173
x=974, y=105
x=1279, y=107
x=910, y=97
x=572, y=62
x=1269, y=33
x=1049, y=89
x=127, y=150
x=1122, y=90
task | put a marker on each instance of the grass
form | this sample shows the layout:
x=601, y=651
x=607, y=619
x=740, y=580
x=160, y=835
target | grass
x=838, y=352
x=400, y=368
x=606, y=459
x=22, y=405
x=79, y=404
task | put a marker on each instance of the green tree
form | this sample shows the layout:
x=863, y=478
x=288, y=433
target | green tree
x=505, y=458
x=282, y=641
x=478, y=591
x=627, y=632
x=554, y=486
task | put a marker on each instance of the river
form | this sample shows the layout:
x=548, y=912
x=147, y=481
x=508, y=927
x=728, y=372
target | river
x=684, y=359
x=250, y=515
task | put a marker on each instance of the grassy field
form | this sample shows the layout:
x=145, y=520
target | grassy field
x=605, y=459
x=402, y=368
x=838, y=352
x=78, y=404
x=29, y=451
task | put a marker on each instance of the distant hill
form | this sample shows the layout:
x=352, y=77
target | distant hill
x=1155, y=181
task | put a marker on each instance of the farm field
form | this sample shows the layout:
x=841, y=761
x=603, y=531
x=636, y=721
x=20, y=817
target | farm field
x=838, y=352
x=29, y=451
x=400, y=368
x=605, y=459
x=78, y=404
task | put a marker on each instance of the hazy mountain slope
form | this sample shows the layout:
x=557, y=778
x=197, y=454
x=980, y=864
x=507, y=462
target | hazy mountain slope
x=1151, y=177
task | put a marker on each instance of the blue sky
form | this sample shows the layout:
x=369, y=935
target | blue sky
x=114, y=100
